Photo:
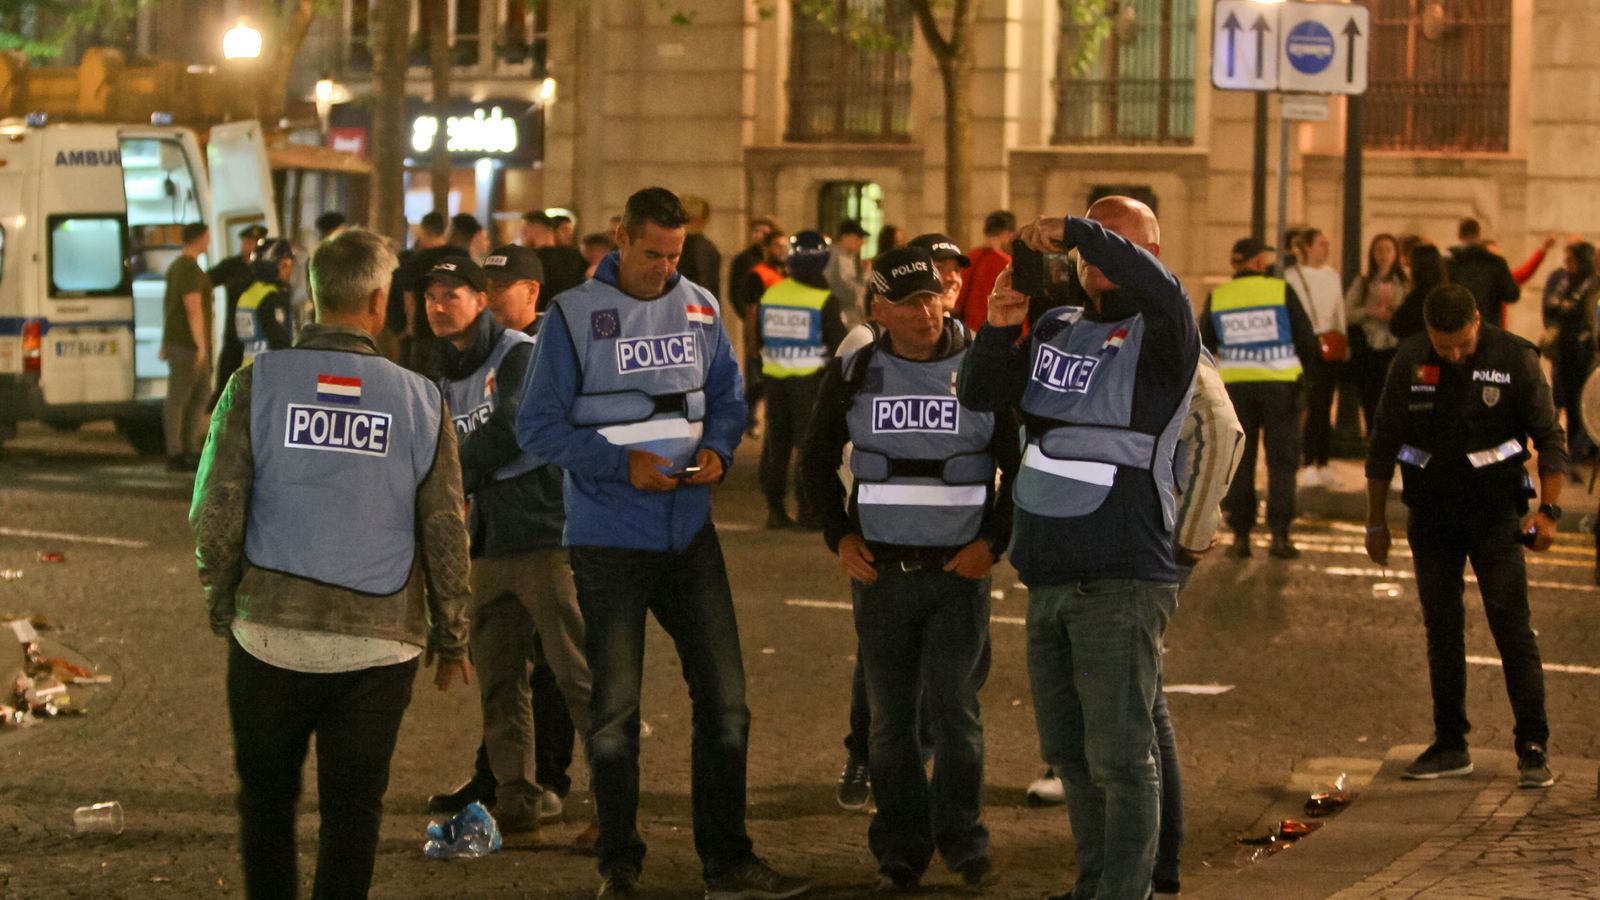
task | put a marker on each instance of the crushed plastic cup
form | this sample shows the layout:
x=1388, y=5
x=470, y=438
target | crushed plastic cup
x=10, y=574
x=101, y=818
x=1386, y=590
x=1329, y=798
x=468, y=834
x=52, y=556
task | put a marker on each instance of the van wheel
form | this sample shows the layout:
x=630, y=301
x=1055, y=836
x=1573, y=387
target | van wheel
x=144, y=434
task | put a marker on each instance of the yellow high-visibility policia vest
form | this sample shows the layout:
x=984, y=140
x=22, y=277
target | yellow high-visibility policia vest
x=791, y=330
x=1254, y=342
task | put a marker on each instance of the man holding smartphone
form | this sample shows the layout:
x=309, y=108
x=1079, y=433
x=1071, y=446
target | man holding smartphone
x=1103, y=391
x=633, y=384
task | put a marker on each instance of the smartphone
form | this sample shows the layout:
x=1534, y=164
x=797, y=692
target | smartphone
x=1027, y=270
x=685, y=472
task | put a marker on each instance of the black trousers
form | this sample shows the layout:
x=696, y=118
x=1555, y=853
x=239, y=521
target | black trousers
x=356, y=718
x=1442, y=543
x=553, y=735
x=1322, y=379
x=1267, y=411
x=1368, y=371
x=789, y=405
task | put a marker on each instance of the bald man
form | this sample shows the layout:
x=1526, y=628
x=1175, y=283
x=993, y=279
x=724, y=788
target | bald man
x=1103, y=390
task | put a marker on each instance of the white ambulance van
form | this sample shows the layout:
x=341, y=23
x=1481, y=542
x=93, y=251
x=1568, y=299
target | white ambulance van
x=90, y=219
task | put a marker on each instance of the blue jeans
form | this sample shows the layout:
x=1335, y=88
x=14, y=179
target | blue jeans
x=924, y=632
x=688, y=593
x=1094, y=656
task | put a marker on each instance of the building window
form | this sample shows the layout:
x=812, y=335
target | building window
x=464, y=32
x=1440, y=75
x=1139, y=85
x=524, y=35
x=844, y=88
x=86, y=254
x=358, y=52
x=859, y=200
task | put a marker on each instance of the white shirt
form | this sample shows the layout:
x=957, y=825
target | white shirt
x=1322, y=295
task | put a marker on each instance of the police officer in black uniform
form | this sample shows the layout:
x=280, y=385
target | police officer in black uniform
x=1457, y=412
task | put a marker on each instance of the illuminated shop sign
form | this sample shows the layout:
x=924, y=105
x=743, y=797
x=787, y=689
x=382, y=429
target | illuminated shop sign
x=490, y=133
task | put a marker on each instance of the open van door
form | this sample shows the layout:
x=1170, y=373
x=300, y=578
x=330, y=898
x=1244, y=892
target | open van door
x=241, y=185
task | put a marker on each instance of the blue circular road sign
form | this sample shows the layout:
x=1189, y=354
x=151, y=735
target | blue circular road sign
x=1310, y=47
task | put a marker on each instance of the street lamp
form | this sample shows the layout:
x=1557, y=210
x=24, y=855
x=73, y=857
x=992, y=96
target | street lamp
x=242, y=41
x=547, y=91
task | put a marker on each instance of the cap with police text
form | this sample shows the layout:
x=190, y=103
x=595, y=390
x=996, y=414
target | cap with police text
x=513, y=262
x=904, y=272
x=457, y=271
x=941, y=248
x=256, y=231
x=1247, y=247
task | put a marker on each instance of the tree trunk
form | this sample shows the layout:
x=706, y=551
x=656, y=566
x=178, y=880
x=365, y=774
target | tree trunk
x=439, y=61
x=390, y=37
x=296, y=23
x=954, y=55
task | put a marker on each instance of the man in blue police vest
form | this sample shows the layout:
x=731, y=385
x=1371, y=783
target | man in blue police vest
x=521, y=583
x=1103, y=391
x=636, y=396
x=328, y=530
x=1260, y=333
x=799, y=325
x=924, y=526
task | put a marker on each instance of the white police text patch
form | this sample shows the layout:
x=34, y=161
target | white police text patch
x=339, y=430
x=1249, y=326
x=669, y=351
x=936, y=415
x=1067, y=373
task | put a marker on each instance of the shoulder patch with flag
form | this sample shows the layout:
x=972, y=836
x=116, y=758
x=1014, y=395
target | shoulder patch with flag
x=1426, y=375
x=700, y=315
x=1115, y=341
x=334, y=389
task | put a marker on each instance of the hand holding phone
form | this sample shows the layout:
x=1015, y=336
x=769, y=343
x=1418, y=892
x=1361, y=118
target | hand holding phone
x=685, y=472
x=1027, y=270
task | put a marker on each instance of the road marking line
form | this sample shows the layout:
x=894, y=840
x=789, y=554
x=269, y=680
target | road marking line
x=1548, y=667
x=1205, y=689
x=1358, y=572
x=73, y=538
x=145, y=483
x=1582, y=558
x=53, y=477
x=840, y=604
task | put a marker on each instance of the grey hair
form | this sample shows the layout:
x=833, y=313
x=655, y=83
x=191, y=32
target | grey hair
x=348, y=267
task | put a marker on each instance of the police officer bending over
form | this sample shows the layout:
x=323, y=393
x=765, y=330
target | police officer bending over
x=636, y=396
x=1457, y=411
x=925, y=525
x=328, y=530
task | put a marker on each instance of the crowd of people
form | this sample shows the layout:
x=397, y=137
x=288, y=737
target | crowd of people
x=498, y=460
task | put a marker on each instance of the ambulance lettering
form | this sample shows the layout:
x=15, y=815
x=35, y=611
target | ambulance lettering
x=88, y=158
x=338, y=430
x=646, y=354
x=931, y=415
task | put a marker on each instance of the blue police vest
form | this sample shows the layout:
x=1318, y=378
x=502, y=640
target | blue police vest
x=474, y=399
x=1078, y=407
x=921, y=460
x=341, y=443
x=643, y=366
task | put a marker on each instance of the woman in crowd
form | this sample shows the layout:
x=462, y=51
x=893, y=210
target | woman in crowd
x=1322, y=295
x=1369, y=305
x=1427, y=273
x=1570, y=308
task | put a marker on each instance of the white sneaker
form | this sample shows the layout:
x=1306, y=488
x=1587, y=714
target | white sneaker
x=551, y=805
x=1306, y=477
x=1047, y=790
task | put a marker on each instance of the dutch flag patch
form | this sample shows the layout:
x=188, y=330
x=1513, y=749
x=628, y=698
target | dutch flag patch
x=700, y=315
x=334, y=389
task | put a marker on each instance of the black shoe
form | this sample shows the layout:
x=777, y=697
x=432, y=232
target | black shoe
x=1159, y=888
x=855, y=787
x=1240, y=549
x=1533, y=767
x=477, y=789
x=623, y=881
x=1283, y=548
x=778, y=520
x=978, y=873
x=1439, y=762
x=898, y=880
x=754, y=880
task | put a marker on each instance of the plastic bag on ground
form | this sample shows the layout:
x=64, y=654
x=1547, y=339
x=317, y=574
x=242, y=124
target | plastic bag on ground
x=468, y=834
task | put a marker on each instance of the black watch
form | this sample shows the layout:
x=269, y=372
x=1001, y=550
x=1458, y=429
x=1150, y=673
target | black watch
x=1550, y=511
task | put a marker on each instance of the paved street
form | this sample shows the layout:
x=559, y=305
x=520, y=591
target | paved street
x=1322, y=660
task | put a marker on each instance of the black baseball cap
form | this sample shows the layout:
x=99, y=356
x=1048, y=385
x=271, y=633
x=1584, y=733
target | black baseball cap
x=904, y=272
x=513, y=262
x=851, y=226
x=940, y=247
x=456, y=271
x=256, y=230
x=1246, y=247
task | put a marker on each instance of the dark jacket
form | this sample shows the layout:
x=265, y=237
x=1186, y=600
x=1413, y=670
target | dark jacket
x=519, y=514
x=738, y=272
x=1448, y=411
x=1488, y=276
x=823, y=451
x=701, y=263
x=564, y=269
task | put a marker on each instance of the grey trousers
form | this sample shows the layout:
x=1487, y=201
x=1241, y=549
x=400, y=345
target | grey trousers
x=183, y=416
x=524, y=606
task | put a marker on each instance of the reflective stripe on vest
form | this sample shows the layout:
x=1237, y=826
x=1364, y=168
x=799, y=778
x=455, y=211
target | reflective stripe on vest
x=341, y=442
x=643, y=365
x=1079, y=400
x=1251, y=319
x=247, y=319
x=791, y=330
x=921, y=460
x=474, y=399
